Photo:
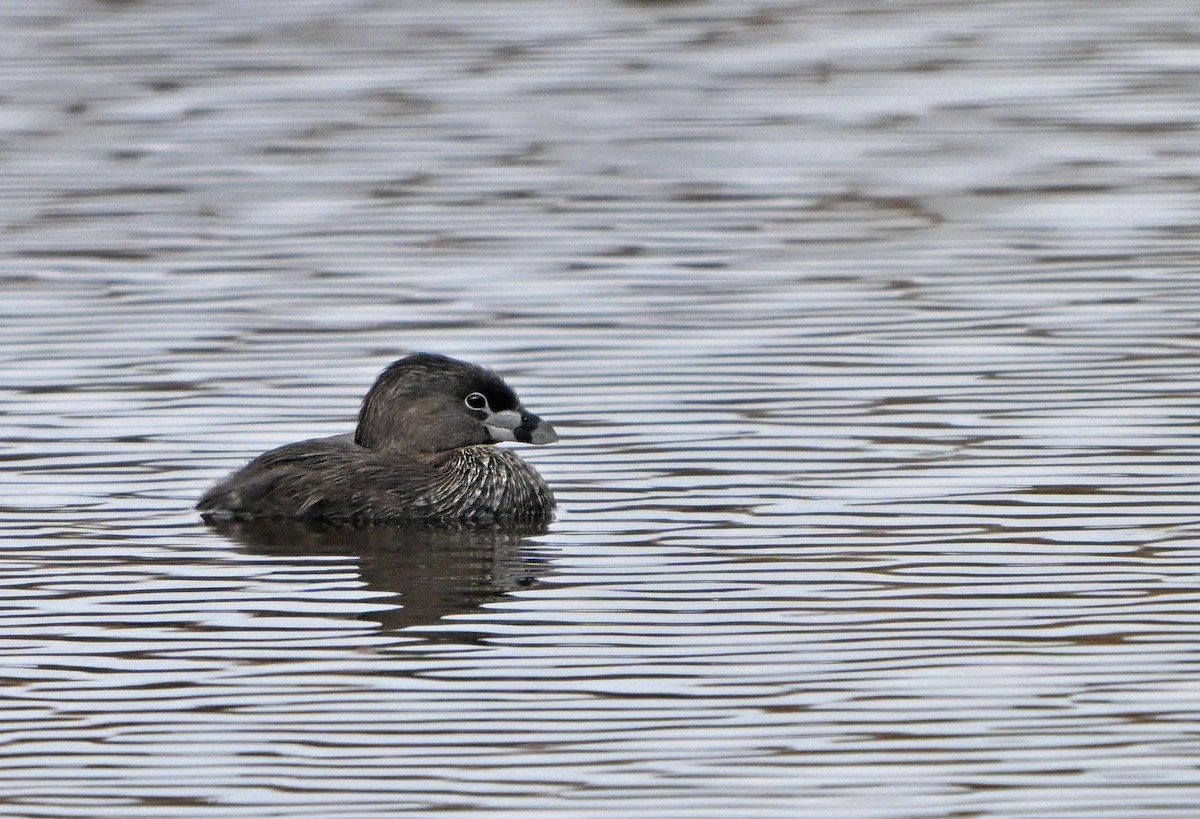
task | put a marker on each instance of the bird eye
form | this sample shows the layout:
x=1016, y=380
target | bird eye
x=476, y=401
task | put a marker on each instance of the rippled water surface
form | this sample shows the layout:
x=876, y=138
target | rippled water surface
x=870, y=330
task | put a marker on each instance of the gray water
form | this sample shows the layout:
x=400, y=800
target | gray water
x=870, y=331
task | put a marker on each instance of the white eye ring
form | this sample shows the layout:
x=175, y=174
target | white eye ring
x=476, y=401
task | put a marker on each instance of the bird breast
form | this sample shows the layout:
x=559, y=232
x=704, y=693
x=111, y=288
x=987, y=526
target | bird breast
x=487, y=484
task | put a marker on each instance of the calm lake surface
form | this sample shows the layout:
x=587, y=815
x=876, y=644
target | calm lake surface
x=871, y=332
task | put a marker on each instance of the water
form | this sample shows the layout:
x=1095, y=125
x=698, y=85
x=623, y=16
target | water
x=870, y=333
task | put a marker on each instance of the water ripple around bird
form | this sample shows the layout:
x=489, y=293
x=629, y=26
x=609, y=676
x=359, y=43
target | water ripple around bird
x=870, y=335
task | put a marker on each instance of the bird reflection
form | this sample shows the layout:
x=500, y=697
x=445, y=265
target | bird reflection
x=433, y=572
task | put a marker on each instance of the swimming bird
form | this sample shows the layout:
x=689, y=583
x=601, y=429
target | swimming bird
x=422, y=453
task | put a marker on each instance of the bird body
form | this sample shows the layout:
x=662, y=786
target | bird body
x=422, y=453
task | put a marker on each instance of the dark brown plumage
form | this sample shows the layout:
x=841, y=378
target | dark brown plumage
x=422, y=452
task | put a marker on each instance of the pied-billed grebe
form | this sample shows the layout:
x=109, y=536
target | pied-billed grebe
x=422, y=453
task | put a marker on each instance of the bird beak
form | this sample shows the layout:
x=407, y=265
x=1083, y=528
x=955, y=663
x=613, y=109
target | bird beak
x=520, y=425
